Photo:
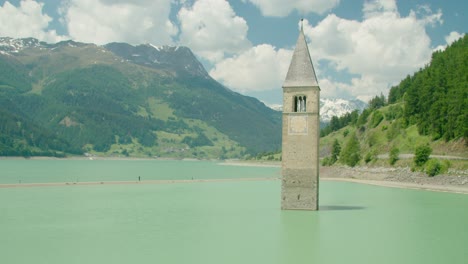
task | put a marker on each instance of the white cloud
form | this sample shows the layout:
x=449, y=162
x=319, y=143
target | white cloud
x=212, y=29
x=376, y=8
x=381, y=49
x=26, y=20
x=366, y=87
x=453, y=36
x=330, y=88
x=449, y=39
x=259, y=68
x=282, y=8
x=424, y=13
x=105, y=21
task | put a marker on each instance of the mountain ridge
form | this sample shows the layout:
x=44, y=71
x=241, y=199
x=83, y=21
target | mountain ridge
x=128, y=100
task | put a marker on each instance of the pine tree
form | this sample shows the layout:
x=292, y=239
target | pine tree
x=336, y=149
x=351, y=153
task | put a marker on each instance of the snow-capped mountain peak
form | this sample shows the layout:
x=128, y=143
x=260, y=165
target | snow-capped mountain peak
x=11, y=45
x=338, y=107
x=333, y=107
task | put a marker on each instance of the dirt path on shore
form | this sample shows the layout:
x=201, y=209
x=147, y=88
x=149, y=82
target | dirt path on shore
x=49, y=184
x=456, y=182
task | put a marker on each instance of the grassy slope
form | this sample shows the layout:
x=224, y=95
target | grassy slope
x=46, y=64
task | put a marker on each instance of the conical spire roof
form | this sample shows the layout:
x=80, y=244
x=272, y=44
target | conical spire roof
x=301, y=71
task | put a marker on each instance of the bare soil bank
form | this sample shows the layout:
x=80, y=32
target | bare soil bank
x=455, y=181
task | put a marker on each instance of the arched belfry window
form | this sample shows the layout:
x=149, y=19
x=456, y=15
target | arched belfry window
x=300, y=103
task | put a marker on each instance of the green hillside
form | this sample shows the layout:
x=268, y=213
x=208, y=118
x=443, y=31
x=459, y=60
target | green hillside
x=121, y=100
x=429, y=108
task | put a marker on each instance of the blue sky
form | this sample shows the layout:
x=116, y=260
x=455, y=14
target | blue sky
x=360, y=48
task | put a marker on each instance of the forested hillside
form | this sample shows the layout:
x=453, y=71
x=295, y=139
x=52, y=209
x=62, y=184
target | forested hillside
x=436, y=97
x=428, y=108
x=121, y=100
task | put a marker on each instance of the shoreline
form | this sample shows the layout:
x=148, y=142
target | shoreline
x=242, y=163
x=396, y=177
x=91, y=158
x=53, y=184
x=389, y=184
x=405, y=185
x=399, y=177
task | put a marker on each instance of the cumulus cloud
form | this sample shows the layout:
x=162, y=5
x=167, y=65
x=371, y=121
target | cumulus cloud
x=26, y=20
x=104, y=21
x=453, y=36
x=212, y=29
x=333, y=89
x=378, y=52
x=282, y=8
x=381, y=49
x=449, y=39
x=259, y=68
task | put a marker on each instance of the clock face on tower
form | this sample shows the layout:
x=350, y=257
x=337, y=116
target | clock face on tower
x=297, y=125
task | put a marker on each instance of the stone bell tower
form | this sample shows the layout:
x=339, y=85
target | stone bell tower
x=300, y=159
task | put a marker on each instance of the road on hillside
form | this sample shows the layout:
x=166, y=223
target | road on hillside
x=410, y=156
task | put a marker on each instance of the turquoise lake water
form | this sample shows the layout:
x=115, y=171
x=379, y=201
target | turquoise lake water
x=216, y=222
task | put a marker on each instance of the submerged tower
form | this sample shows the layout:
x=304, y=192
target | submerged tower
x=300, y=159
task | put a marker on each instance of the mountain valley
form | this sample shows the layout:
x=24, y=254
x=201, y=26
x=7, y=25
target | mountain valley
x=123, y=100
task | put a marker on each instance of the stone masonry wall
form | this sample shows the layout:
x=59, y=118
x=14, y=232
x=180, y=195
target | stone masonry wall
x=300, y=161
